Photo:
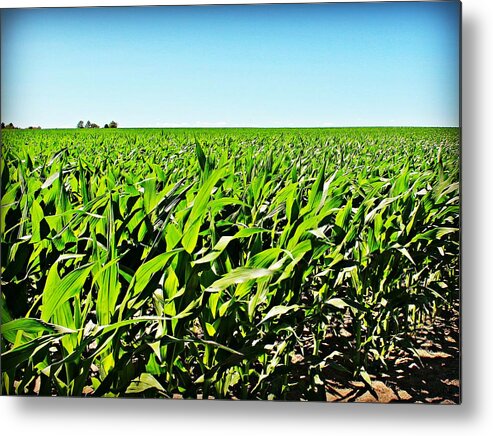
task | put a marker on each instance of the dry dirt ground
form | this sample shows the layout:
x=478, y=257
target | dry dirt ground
x=430, y=375
x=427, y=372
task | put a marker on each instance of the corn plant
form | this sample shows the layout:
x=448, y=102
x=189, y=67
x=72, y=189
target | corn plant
x=220, y=263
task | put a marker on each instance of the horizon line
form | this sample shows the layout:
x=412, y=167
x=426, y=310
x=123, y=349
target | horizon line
x=34, y=127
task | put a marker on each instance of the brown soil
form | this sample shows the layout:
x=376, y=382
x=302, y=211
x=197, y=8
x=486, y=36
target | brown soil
x=426, y=372
x=430, y=374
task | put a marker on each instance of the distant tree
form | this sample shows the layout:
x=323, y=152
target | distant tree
x=94, y=126
x=106, y=126
x=88, y=124
x=3, y=125
x=113, y=125
x=80, y=124
x=10, y=126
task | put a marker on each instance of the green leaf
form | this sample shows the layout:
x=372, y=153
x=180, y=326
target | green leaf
x=144, y=382
x=145, y=271
x=279, y=310
x=237, y=276
x=434, y=234
x=30, y=325
x=211, y=331
x=264, y=259
x=342, y=218
x=7, y=201
x=22, y=353
x=200, y=156
x=57, y=291
x=36, y=218
x=337, y=302
x=49, y=181
x=406, y=253
x=317, y=187
x=225, y=240
x=365, y=376
x=199, y=208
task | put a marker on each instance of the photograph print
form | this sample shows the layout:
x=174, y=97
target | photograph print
x=238, y=202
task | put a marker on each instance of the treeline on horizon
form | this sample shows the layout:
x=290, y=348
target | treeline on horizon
x=11, y=126
x=114, y=125
x=80, y=125
x=89, y=125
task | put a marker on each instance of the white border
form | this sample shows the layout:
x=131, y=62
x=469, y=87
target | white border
x=98, y=416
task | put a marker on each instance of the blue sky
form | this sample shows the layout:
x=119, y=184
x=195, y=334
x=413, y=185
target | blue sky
x=362, y=64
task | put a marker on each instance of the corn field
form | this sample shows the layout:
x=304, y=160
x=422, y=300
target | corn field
x=220, y=263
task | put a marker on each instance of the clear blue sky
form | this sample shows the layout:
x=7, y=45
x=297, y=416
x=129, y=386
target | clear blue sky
x=358, y=64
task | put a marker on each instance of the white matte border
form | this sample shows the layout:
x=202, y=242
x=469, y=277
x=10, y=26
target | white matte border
x=53, y=416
